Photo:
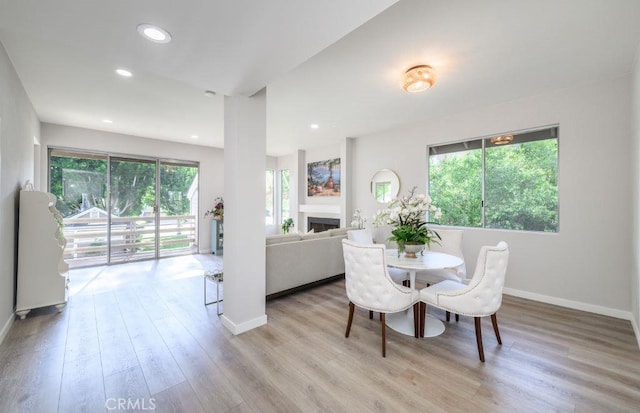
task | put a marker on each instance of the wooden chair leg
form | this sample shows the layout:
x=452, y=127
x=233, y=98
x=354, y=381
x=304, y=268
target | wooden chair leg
x=370, y=315
x=384, y=335
x=448, y=316
x=494, y=321
x=423, y=315
x=351, y=308
x=416, y=320
x=457, y=317
x=479, y=338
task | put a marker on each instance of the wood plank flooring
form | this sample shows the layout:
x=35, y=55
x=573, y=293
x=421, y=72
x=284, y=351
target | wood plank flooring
x=137, y=337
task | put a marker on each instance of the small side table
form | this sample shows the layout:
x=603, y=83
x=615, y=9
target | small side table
x=216, y=277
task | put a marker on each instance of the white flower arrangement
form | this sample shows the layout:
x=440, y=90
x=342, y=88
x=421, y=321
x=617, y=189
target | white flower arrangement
x=408, y=216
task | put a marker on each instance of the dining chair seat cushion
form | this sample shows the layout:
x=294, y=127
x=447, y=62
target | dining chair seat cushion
x=429, y=295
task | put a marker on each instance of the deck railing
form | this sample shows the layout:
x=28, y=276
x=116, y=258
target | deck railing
x=131, y=238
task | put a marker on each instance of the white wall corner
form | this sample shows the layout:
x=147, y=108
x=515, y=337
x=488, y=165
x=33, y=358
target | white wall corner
x=576, y=305
x=7, y=327
x=244, y=326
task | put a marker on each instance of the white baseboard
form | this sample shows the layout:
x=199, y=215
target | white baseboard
x=245, y=326
x=6, y=327
x=636, y=328
x=576, y=305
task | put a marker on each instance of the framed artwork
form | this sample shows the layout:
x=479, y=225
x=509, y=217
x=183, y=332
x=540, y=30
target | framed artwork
x=323, y=178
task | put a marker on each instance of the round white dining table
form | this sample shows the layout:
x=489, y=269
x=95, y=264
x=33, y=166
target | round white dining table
x=402, y=322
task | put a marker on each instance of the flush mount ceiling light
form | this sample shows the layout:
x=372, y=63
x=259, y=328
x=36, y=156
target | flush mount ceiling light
x=154, y=33
x=194, y=136
x=107, y=121
x=418, y=78
x=314, y=126
x=209, y=93
x=124, y=72
x=502, y=140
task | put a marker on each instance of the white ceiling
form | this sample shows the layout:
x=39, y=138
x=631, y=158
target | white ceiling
x=316, y=67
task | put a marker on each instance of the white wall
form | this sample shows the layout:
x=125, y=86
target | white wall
x=18, y=127
x=586, y=265
x=211, y=161
x=635, y=192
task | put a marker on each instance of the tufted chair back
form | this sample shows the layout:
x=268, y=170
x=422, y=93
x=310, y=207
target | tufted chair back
x=483, y=295
x=451, y=243
x=361, y=236
x=367, y=280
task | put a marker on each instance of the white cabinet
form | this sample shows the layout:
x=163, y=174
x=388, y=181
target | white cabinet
x=42, y=273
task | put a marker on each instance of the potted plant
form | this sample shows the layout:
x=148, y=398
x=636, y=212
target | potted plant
x=408, y=216
x=286, y=225
x=217, y=212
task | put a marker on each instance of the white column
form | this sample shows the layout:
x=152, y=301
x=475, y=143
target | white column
x=244, y=227
x=300, y=194
x=346, y=179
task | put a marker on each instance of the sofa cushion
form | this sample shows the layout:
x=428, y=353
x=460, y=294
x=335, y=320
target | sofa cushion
x=312, y=235
x=280, y=238
x=340, y=231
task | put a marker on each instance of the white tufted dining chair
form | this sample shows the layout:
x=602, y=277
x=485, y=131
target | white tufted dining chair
x=364, y=236
x=450, y=242
x=370, y=287
x=481, y=298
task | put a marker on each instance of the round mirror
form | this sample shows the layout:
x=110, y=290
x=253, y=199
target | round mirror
x=385, y=185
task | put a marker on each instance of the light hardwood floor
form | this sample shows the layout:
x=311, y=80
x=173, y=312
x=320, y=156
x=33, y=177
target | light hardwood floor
x=139, y=334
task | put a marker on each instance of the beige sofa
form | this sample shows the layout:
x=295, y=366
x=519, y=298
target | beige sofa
x=301, y=260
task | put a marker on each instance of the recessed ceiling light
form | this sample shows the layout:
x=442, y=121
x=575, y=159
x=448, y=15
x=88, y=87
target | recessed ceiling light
x=154, y=33
x=194, y=136
x=124, y=72
x=314, y=126
x=107, y=121
x=209, y=93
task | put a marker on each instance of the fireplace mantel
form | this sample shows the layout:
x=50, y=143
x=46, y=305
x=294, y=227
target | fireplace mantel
x=319, y=208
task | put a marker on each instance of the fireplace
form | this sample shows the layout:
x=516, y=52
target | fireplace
x=322, y=224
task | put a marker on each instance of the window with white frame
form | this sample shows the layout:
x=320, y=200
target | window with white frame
x=284, y=195
x=508, y=181
x=269, y=186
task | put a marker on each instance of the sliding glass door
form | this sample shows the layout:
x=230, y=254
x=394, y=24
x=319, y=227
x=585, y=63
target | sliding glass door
x=118, y=209
x=133, y=216
x=79, y=182
x=178, y=206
